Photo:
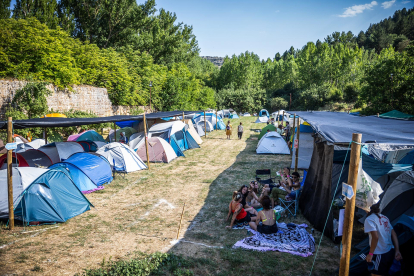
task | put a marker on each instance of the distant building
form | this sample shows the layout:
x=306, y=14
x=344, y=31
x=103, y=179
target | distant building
x=218, y=61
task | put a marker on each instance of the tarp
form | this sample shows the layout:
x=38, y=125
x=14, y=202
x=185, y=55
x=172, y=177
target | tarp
x=337, y=127
x=306, y=142
x=395, y=114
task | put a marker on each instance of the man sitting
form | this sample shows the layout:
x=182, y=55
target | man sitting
x=289, y=189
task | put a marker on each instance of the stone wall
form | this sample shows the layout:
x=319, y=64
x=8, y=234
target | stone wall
x=83, y=98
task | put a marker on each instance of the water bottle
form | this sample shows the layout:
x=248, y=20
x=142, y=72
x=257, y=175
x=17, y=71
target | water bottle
x=396, y=266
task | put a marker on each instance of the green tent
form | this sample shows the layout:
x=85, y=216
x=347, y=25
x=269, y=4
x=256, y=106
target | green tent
x=395, y=114
x=128, y=132
x=264, y=130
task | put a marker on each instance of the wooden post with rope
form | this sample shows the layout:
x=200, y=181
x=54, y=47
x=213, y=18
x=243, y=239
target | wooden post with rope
x=205, y=125
x=216, y=120
x=10, y=173
x=294, y=131
x=297, y=147
x=181, y=220
x=146, y=141
x=183, y=116
x=350, y=205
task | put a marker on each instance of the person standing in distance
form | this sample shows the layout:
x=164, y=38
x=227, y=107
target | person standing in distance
x=228, y=130
x=240, y=131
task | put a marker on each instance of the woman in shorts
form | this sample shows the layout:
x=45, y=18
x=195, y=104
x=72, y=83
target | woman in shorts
x=267, y=217
x=239, y=215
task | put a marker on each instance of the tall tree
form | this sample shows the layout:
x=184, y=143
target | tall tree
x=44, y=10
x=5, y=9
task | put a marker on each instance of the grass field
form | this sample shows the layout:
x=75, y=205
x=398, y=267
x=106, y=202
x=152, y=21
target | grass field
x=140, y=215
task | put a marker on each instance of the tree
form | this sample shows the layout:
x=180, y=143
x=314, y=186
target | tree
x=31, y=99
x=43, y=10
x=5, y=9
x=278, y=103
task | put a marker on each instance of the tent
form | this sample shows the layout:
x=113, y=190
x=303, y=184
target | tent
x=176, y=134
x=210, y=117
x=246, y=114
x=30, y=158
x=87, y=171
x=272, y=143
x=89, y=135
x=52, y=197
x=22, y=178
x=193, y=132
x=269, y=127
x=234, y=116
x=224, y=113
x=135, y=139
x=306, y=142
x=262, y=119
x=91, y=146
x=121, y=157
x=395, y=114
x=35, y=144
x=263, y=113
x=60, y=151
x=200, y=127
x=408, y=158
x=158, y=150
x=128, y=132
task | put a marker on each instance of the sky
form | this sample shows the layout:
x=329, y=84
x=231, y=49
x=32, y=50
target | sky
x=265, y=27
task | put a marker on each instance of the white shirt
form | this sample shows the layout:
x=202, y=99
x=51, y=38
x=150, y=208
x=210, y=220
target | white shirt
x=383, y=227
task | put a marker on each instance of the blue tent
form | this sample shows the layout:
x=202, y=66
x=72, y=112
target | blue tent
x=234, y=116
x=212, y=118
x=408, y=158
x=53, y=197
x=90, y=135
x=87, y=170
x=263, y=112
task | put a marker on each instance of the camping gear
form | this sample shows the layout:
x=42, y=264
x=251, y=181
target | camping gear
x=291, y=206
x=30, y=158
x=268, y=176
x=128, y=132
x=91, y=146
x=269, y=127
x=176, y=134
x=22, y=178
x=264, y=113
x=367, y=190
x=395, y=114
x=35, y=144
x=87, y=171
x=210, y=117
x=89, y=135
x=51, y=197
x=293, y=240
x=158, y=150
x=121, y=157
x=305, y=147
x=262, y=119
x=272, y=143
x=60, y=151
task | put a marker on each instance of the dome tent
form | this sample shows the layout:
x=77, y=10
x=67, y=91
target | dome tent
x=158, y=150
x=264, y=113
x=135, y=139
x=193, y=132
x=210, y=117
x=262, y=119
x=269, y=127
x=272, y=143
x=91, y=146
x=121, y=157
x=128, y=132
x=35, y=144
x=60, y=151
x=201, y=129
x=51, y=197
x=30, y=158
x=89, y=135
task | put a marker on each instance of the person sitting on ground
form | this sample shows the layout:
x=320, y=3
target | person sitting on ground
x=244, y=190
x=382, y=252
x=252, y=200
x=239, y=213
x=267, y=217
x=280, y=130
x=122, y=138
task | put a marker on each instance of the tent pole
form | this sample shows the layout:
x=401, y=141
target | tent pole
x=277, y=118
x=377, y=114
x=350, y=204
x=283, y=117
x=45, y=135
x=216, y=120
x=114, y=132
x=297, y=147
x=205, y=125
x=10, y=173
x=146, y=141
x=294, y=131
x=183, y=116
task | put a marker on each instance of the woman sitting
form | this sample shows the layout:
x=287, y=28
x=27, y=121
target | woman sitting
x=239, y=214
x=267, y=217
x=252, y=200
x=244, y=190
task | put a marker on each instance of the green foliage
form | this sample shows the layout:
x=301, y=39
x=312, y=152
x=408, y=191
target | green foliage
x=278, y=103
x=5, y=9
x=43, y=10
x=154, y=264
x=242, y=100
x=31, y=100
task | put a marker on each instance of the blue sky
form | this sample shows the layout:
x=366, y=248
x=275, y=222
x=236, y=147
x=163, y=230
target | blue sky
x=265, y=27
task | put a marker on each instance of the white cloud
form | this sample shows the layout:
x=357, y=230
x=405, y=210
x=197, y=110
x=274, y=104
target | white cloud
x=405, y=2
x=354, y=10
x=388, y=4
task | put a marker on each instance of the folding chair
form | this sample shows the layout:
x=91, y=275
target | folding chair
x=291, y=206
x=267, y=173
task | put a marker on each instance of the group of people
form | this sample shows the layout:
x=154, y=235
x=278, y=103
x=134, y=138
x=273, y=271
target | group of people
x=242, y=208
x=229, y=129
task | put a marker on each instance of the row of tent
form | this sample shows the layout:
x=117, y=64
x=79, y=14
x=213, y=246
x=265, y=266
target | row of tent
x=49, y=180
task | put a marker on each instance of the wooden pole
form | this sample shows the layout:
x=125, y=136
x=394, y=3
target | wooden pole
x=114, y=132
x=10, y=173
x=183, y=116
x=146, y=141
x=179, y=227
x=205, y=125
x=297, y=147
x=283, y=117
x=377, y=114
x=216, y=120
x=294, y=131
x=45, y=135
x=277, y=118
x=350, y=205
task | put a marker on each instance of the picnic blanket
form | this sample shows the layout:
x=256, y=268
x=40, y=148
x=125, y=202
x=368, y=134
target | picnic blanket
x=293, y=239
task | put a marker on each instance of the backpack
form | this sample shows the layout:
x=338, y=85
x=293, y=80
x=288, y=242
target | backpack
x=228, y=127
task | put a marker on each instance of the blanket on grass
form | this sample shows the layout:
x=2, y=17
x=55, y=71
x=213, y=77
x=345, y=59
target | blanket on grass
x=293, y=239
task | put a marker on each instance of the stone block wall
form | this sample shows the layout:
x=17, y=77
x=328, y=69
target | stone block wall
x=83, y=98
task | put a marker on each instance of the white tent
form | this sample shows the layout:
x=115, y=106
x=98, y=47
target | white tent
x=272, y=143
x=193, y=132
x=121, y=157
x=247, y=114
x=159, y=150
x=170, y=128
x=60, y=151
x=208, y=125
x=223, y=113
x=135, y=139
x=22, y=178
x=35, y=144
x=263, y=119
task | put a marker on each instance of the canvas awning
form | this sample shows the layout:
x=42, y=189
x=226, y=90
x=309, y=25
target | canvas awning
x=337, y=127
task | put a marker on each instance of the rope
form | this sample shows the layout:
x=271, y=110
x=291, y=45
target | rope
x=330, y=208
